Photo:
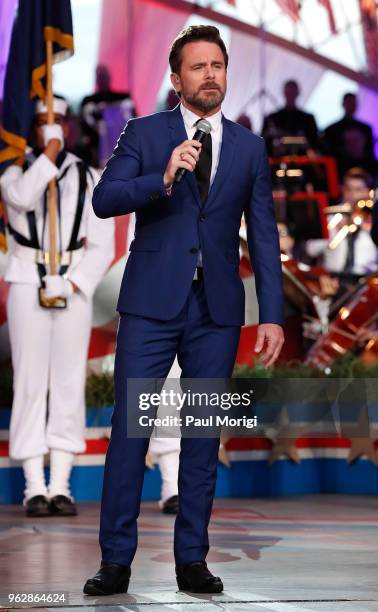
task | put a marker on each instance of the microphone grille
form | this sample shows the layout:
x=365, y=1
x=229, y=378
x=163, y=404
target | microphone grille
x=204, y=126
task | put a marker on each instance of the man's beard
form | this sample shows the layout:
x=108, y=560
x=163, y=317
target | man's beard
x=205, y=104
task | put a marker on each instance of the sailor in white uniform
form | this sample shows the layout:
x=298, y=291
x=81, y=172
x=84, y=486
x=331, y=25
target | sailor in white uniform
x=50, y=345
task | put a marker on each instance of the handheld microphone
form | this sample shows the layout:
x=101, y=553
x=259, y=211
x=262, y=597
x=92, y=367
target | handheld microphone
x=203, y=128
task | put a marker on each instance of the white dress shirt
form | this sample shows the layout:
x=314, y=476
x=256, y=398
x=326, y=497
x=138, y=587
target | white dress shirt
x=190, y=120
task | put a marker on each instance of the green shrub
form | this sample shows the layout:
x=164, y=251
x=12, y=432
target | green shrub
x=99, y=390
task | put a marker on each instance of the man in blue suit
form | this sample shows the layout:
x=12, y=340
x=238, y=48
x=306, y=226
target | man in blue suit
x=181, y=292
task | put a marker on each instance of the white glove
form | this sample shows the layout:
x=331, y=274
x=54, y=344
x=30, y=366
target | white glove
x=57, y=286
x=51, y=131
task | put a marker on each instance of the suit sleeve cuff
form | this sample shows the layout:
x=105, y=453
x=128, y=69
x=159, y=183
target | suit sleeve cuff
x=158, y=189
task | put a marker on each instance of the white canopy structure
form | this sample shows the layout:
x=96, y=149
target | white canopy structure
x=325, y=51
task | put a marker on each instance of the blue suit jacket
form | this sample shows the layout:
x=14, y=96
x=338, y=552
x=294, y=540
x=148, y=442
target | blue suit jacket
x=170, y=229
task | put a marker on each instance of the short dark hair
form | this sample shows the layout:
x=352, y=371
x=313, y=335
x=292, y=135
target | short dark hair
x=349, y=94
x=194, y=34
x=359, y=174
x=291, y=82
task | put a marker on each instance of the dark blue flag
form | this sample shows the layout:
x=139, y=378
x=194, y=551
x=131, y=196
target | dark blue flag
x=36, y=22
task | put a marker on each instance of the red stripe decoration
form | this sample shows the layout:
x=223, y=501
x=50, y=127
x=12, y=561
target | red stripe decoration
x=99, y=446
x=254, y=444
x=369, y=8
x=291, y=8
x=246, y=354
x=331, y=17
x=121, y=227
x=245, y=268
x=103, y=340
x=369, y=23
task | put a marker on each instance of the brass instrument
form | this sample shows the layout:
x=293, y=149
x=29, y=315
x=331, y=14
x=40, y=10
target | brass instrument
x=347, y=218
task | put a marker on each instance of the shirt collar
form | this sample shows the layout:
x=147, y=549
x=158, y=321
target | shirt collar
x=191, y=118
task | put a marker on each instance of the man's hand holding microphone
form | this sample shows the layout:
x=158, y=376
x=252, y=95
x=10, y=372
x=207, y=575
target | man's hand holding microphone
x=185, y=156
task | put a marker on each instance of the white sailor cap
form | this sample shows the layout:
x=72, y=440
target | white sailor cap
x=59, y=106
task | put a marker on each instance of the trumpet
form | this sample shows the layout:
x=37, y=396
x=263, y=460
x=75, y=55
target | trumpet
x=347, y=219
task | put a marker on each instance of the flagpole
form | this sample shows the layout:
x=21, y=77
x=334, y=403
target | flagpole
x=52, y=183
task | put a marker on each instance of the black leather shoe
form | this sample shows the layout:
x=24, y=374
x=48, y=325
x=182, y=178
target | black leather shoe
x=171, y=505
x=37, y=506
x=111, y=578
x=60, y=505
x=196, y=578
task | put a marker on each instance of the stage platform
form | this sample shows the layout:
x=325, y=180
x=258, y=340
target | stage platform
x=299, y=553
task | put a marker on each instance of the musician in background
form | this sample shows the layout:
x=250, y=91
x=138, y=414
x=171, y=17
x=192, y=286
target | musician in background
x=350, y=253
x=103, y=114
x=351, y=141
x=327, y=285
x=290, y=121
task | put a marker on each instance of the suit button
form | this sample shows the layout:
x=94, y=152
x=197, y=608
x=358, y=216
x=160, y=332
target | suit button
x=193, y=250
x=155, y=196
x=202, y=217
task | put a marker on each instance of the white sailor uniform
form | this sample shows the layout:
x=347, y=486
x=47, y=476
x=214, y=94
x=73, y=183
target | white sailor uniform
x=49, y=346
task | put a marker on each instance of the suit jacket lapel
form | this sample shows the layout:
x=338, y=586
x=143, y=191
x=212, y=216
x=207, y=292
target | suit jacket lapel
x=178, y=135
x=228, y=149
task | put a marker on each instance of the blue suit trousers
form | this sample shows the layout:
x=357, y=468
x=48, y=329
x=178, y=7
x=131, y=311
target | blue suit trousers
x=146, y=348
